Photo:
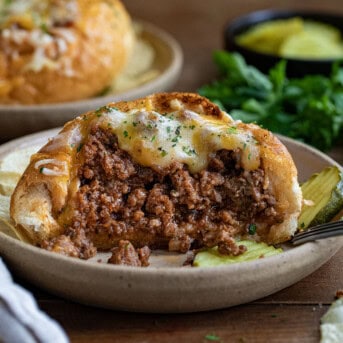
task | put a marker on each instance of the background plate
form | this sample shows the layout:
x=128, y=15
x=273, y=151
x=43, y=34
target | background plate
x=17, y=120
x=165, y=286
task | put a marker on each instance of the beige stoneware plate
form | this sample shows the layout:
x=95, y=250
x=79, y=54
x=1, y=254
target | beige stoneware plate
x=17, y=120
x=166, y=286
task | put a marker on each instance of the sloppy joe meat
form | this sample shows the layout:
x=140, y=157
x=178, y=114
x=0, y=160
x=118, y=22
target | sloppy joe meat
x=126, y=254
x=167, y=207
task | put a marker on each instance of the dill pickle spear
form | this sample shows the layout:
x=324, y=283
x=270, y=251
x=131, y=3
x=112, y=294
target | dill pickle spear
x=325, y=191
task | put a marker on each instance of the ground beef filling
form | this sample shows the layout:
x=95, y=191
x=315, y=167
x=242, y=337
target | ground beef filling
x=126, y=254
x=169, y=206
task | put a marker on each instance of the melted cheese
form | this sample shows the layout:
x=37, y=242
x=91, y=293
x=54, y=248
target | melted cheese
x=153, y=139
x=58, y=167
x=33, y=22
x=37, y=12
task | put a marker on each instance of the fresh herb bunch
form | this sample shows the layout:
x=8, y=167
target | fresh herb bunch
x=309, y=109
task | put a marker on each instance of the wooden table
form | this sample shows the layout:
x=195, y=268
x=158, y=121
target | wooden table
x=291, y=315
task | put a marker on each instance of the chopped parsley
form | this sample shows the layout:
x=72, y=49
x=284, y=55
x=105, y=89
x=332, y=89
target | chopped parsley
x=212, y=337
x=153, y=138
x=125, y=134
x=232, y=130
x=189, y=151
x=79, y=147
x=163, y=152
x=41, y=170
x=103, y=109
x=44, y=28
x=252, y=229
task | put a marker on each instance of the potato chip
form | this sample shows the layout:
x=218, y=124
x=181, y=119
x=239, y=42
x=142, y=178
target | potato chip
x=5, y=220
x=18, y=160
x=140, y=66
x=8, y=181
x=12, y=167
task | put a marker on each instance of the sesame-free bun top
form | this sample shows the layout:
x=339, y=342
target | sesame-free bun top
x=61, y=50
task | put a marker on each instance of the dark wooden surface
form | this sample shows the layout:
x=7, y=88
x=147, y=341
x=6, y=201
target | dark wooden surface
x=291, y=315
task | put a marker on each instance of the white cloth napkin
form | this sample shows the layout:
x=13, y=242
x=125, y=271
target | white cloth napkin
x=20, y=318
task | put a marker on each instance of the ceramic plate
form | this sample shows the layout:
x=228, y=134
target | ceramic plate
x=16, y=120
x=166, y=286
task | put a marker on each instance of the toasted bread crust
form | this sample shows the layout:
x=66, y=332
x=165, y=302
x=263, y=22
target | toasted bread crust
x=54, y=193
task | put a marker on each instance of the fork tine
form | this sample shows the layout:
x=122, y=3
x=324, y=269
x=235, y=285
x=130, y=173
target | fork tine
x=316, y=236
x=320, y=227
x=323, y=235
x=319, y=232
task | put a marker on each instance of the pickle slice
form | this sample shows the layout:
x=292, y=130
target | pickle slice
x=268, y=36
x=211, y=257
x=308, y=45
x=325, y=191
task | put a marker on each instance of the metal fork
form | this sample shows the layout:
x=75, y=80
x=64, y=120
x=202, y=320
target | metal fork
x=321, y=231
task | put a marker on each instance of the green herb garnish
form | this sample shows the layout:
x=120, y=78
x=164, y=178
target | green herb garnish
x=78, y=149
x=212, y=337
x=103, y=109
x=188, y=150
x=252, y=229
x=309, y=108
x=44, y=27
x=232, y=130
x=163, y=152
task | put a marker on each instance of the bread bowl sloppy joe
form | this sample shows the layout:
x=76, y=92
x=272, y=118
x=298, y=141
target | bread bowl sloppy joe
x=168, y=171
x=58, y=50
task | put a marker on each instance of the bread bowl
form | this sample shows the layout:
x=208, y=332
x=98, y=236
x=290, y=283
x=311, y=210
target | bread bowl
x=56, y=51
x=167, y=171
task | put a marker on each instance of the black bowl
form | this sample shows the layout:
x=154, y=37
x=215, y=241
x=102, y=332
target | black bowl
x=295, y=67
